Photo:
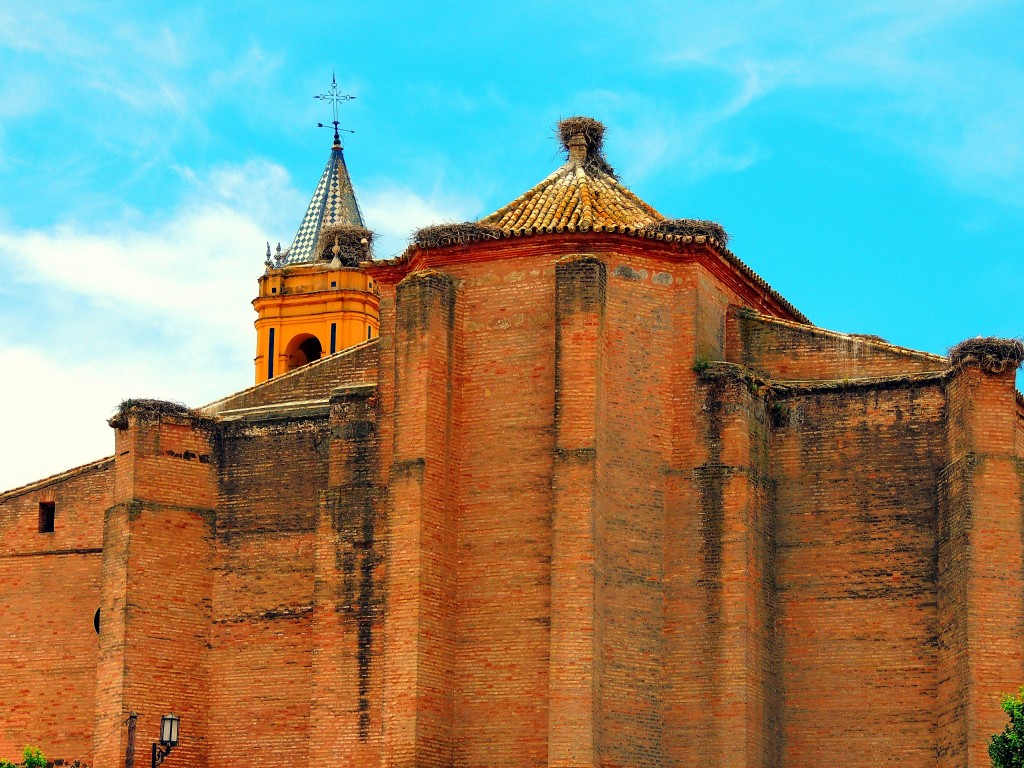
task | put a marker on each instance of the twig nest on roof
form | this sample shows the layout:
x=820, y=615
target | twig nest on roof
x=438, y=235
x=992, y=354
x=590, y=129
x=147, y=410
x=692, y=227
x=353, y=244
x=588, y=132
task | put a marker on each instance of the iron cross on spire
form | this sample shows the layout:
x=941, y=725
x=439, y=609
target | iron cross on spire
x=335, y=98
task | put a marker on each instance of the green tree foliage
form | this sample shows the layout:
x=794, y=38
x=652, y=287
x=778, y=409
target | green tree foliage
x=1007, y=748
x=32, y=757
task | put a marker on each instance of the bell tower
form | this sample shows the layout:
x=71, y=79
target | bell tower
x=314, y=298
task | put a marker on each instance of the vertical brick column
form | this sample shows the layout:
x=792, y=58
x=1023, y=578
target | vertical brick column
x=348, y=590
x=981, y=558
x=685, y=736
x=580, y=295
x=155, y=607
x=419, y=633
x=734, y=582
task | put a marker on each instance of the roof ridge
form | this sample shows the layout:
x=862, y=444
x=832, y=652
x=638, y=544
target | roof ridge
x=63, y=475
x=860, y=338
x=577, y=196
x=205, y=409
x=525, y=196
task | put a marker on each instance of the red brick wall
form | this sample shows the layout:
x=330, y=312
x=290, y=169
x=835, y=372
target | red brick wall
x=980, y=563
x=642, y=337
x=504, y=451
x=504, y=379
x=50, y=592
x=533, y=534
x=315, y=381
x=856, y=473
x=270, y=478
x=1019, y=434
x=785, y=350
x=349, y=595
x=581, y=292
x=156, y=585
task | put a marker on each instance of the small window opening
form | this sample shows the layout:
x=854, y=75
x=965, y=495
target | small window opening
x=369, y=331
x=96, y=621
x=311, y=349
x=303, y=349
x=270, y=356
x=273, y=290
x=334, y=283
x=47, y=512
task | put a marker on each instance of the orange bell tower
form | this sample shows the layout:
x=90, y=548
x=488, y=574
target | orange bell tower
x=314, y=298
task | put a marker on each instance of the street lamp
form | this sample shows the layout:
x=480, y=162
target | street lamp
x=168, y=739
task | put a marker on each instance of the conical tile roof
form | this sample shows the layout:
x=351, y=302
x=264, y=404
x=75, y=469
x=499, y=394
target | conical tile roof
x=582, y=195
x=334, y=202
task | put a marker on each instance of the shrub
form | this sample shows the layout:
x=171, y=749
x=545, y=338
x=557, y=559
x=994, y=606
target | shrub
x=1007, y=748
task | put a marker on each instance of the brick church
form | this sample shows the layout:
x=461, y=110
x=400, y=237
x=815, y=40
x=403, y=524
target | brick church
x=566, y=486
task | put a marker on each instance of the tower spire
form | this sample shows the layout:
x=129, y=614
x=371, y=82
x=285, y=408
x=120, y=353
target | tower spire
x=334, y=201
x=334, y=97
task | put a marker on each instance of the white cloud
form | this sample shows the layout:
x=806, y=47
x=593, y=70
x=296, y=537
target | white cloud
x=394, y=212
x=649, y=135
x=93, y=313
x=144, y=307
x=189, y=270
x=895, y=71
x=36, y=28
x=56, y=410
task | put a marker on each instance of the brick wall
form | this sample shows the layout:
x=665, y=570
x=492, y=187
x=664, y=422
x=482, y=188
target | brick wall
x=270, y=478
x=50, y=592
x=856, y=473
x=980, y=562
x=349, y=594
x=312, y=382
x=785, y=350
x=156, y=584
x=555, y=515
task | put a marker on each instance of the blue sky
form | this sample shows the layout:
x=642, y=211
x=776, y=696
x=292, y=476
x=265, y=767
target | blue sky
x=867, y=159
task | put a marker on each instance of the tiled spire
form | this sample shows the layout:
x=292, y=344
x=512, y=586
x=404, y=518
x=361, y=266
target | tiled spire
x=582, y=195
x=334, y=202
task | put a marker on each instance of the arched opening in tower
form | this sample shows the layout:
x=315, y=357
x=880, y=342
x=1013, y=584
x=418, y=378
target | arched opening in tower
x=304, y=349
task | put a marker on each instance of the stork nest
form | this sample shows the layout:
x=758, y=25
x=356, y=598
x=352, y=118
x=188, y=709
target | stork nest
x=148, y=410
x=592, y=132
x=692, y=227
x=451, y=233
x=354, y=244
x=992, y=354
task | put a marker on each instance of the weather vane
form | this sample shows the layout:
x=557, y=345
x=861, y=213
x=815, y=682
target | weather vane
x=334, y=97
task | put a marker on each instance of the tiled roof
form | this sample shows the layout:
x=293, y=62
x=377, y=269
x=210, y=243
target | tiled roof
x=334, y=202
x=581, y=196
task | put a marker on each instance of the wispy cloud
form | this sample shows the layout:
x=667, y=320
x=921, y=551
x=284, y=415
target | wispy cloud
x=143, y=306
x=650, y=134
x=195, y=265
x=895, y=71
x=394, y=212
x=155, y=306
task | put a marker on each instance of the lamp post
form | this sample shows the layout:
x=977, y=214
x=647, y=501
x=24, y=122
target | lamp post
x=168, y=739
